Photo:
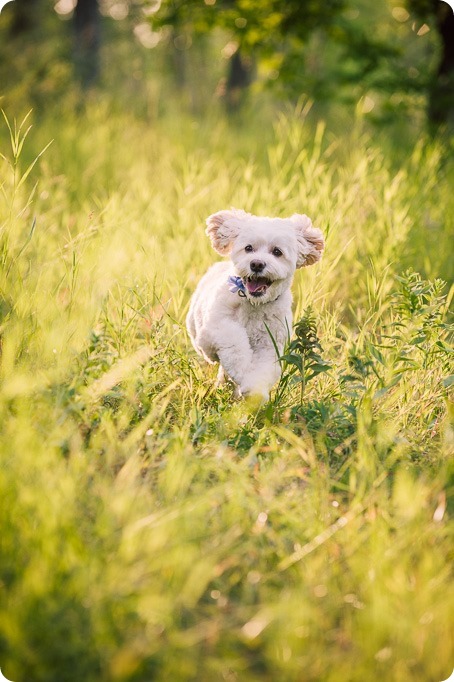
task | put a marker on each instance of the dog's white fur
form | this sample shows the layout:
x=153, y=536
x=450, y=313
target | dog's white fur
x=232, y=330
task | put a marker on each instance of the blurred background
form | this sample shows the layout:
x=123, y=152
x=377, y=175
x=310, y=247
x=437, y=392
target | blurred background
x=390, y=61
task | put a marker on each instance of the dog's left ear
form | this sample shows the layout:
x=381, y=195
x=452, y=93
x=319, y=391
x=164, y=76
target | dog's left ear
x=310, y=241
x=223, y=228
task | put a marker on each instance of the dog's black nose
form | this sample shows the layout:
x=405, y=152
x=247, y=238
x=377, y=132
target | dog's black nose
x=257, y=265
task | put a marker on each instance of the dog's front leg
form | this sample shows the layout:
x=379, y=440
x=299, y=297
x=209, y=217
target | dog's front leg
x=261, y=375
x=229, y=343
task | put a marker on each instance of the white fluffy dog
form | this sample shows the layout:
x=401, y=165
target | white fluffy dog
x=239, y=305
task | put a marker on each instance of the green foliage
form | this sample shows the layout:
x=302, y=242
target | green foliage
x=342, y=55
x=256, y=24
x=154, y=528
x=334, y=52
x=302, y=355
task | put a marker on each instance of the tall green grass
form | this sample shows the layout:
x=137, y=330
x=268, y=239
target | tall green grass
x=152, y=527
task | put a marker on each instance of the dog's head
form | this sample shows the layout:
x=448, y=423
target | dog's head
x=265, y=251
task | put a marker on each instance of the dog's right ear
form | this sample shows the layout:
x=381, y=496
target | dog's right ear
x=223, y=228
x=310, y=240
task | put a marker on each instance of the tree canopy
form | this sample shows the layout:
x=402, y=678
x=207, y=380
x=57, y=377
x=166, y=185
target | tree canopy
x=394, y=56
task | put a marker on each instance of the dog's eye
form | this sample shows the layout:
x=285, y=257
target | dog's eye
x=276, y=252
x=248, y=248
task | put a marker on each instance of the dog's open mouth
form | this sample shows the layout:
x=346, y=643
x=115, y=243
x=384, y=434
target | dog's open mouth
x=257, y=286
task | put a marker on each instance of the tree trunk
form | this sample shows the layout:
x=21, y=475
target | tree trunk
x=238, y=79
x=24, y=16
x=87, y=41
x=441, y=95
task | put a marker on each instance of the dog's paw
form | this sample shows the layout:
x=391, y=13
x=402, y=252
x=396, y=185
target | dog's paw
x=237, y=395
x=254, y=394
x=221, y=378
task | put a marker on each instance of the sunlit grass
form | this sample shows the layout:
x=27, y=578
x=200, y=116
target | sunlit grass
x=152, y=527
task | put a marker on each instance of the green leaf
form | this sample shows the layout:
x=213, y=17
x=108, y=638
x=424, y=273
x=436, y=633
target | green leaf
x=31, y=166
x=376, y=354
x=294, y=360
x=319, y=367
x=417, y=340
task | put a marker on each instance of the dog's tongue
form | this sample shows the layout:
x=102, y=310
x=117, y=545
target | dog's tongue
x=255, y=285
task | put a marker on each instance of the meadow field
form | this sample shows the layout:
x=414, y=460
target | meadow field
x=154, y=528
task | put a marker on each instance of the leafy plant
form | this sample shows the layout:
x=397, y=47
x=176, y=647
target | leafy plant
x=417, y=335
x=302, y=360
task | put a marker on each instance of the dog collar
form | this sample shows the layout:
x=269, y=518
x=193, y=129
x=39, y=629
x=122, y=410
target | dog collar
x=236, y=285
